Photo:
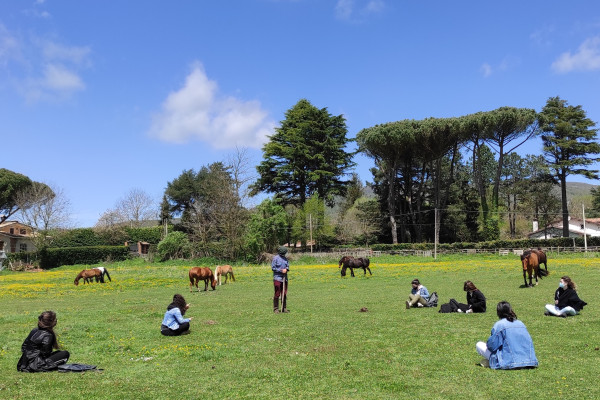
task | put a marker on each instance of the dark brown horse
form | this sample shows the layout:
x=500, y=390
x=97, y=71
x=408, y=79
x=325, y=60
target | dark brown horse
x=351, y=262
x=205, y=274
x=88, y=276
x=531, y=266
x=542, y=259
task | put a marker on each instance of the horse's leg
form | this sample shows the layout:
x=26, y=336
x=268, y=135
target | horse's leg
x=205, y=284
x=352, y=272
x=525, y=277
x=369, y=271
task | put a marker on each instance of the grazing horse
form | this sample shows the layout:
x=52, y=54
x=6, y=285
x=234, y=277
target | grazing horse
x=531, y=266
x=202, y=274
x=88, y=276
x=351, y=262
x=103, y=273
x=224, y=270
x=542, y=260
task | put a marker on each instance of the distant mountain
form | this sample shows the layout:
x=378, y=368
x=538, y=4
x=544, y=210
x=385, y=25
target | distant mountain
x=577, y=189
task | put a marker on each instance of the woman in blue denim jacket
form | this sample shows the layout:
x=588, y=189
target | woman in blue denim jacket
x=418, y=295
x=173, y=323
x=509, y=345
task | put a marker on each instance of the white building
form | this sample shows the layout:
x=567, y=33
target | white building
x=576, y=229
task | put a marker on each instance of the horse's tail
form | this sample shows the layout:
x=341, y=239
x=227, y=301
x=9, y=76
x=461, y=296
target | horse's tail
x=232, y=276
x=107, y=275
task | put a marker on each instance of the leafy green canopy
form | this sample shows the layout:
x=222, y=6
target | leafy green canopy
x=306, y=155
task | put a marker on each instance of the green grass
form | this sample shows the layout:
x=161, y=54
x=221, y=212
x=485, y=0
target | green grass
x=324, y=348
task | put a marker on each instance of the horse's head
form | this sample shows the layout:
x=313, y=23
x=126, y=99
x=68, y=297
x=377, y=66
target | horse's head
x=78, y=277
x=213, y=283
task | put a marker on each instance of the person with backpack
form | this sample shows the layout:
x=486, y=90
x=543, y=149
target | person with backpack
x=419, y=295
x=173, y=323
x=566, y=300
x=510, y=345
x=37, y=348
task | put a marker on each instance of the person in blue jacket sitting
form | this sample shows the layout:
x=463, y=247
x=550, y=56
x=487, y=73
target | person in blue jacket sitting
x=509, y=345
x=418, y=295
x=173, y=323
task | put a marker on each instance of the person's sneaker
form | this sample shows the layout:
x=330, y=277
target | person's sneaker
x=485, y=363
x=420, y=305
x=459, y=310
x=469, y=311
x=407, y=304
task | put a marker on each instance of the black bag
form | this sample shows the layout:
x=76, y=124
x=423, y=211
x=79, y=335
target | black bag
x=433, y=300
x=77, y=368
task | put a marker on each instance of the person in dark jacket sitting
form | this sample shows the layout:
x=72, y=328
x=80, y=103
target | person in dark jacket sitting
x=37, y=348
x=566, y=300
x=475, y=299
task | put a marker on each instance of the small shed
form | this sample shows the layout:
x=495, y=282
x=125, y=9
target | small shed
x=140, y=248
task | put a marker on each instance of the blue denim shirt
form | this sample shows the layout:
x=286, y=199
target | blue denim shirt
x=173, y=318
x=511, y=346
x=279, y=263
x=421, y=291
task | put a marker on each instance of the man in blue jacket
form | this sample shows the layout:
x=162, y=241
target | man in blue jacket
x=280, y=267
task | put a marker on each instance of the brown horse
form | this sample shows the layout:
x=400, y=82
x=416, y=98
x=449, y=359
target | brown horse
x=531, y=266
x=542, y=260
x=226, y=270
x=88, y=276
x=351, y=262
x=205, y=274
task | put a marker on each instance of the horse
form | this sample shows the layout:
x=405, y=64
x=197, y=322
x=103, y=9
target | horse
x=542, y=260
x=351, y=262
x=224, y=270
x=88, y=276
x=531, y=266
x=197, y=274
x=103, y=273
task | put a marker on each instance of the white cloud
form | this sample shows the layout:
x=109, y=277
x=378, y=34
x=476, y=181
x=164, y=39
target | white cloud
x=9, y=46
x=587, y=58
x=486, y=70
x=354, y=10
x=58, y=78
x=198, y=112
x=72, y=54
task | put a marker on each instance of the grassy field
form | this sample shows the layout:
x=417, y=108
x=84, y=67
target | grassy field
x=324, y=348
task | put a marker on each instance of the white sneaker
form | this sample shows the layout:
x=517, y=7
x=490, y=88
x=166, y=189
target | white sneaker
x=459, y=310
x=420, y=305
x=469, y=311
x=407, y=304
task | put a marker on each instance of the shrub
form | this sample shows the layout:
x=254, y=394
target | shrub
x=55, y=257
x=175, y=245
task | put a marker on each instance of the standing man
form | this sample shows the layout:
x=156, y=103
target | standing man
x=280, y=267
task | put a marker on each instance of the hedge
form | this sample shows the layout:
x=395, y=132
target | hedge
x=55, y=257
x=494, y=244
x=116, y=236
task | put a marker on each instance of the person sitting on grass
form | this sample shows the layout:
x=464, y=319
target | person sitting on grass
x=510, y=345
x=37, y=348
x=475, y=299
x=418, y=295
x=566, y=300
x=173, y=323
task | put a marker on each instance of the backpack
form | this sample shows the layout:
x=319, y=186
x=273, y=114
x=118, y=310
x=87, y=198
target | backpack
x=77, y=368
x=433, y=300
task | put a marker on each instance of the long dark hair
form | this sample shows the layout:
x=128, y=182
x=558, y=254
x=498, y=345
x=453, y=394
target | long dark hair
x=47, y=321
x=569, y=282
x=504, y=310
x=469, y=286
x=179, y=302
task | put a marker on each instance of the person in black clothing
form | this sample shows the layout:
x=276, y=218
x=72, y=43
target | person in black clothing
x=37, y=347
x=566, y=300
x=475, y=299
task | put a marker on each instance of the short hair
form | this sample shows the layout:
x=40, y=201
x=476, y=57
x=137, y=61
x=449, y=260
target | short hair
x=504, y=310
x=469, y=286
x=415, y=282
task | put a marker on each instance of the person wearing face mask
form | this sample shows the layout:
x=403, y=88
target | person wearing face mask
x=566, y=300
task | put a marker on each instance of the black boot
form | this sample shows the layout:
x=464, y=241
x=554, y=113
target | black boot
x=276, y=306
x=285, y=310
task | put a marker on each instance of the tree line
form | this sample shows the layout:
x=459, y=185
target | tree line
x=463, y=173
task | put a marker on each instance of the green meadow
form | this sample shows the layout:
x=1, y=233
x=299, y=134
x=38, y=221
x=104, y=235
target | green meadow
x=325, y=348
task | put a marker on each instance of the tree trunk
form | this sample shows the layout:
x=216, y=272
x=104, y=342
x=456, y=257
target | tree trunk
x=565, y=206
x=391, y=204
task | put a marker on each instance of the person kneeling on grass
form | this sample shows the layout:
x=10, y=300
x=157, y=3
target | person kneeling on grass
x=173, y=323
x=37, y=348
x=566, y=300
x=509, y=345
x=418, y=295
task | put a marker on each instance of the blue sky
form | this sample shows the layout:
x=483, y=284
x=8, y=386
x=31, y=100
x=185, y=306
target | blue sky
x=100, y=97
